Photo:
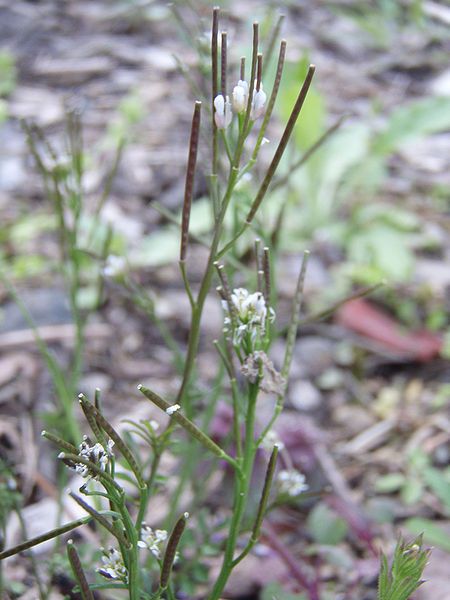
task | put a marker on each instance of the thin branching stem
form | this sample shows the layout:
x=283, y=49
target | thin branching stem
x=274, y=35
x=283, y=179
x=290, y=342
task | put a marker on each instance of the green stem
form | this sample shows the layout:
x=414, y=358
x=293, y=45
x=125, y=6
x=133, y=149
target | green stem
x=226, y=145
x=133, y=563
x=242, y=484
x=197, y=309
x=146, y=492
x=187, y=285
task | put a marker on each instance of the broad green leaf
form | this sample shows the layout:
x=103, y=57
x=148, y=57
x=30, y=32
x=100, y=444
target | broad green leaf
x=310, y=123
x=325, y=526
x=201, y=216
x=413, y=121
x=385, y=213
x=330, y=166
x=384, y=248
x=3, y=111
x=389, y=483
x=274, y=591
x=412, y=491
x=163, y=246
x=30, y=226
x=87, y=297
x=8, y=72
x=159, y=248
x=439, y=482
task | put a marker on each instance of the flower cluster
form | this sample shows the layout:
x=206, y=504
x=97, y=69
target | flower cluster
x=95, y=453
x=152, y=539
x=291, y=483
x=223, y=107
x=251, y=313
x=113, y=565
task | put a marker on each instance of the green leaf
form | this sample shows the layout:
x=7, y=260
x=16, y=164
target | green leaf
x=412, y=491
x=382, y=212
x=325, y=526
x=310, y=124
x=163, y=246
x=274, y=591
x=433, y=533
x=439, y=482
x=31, y=226
x=28, y=265
x=413, y=121
x=8, y=73
x=3, y=111
x=390, y=483
x=87, y=297
x=384, y=248
x=159, y=248
x=347, y=148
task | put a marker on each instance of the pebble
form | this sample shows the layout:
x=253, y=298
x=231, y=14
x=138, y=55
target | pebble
x=303, y=395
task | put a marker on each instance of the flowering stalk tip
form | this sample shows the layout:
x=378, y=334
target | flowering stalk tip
x=251, y=314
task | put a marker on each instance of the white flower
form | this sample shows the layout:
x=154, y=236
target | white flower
x=291, y=482
x=113, y=565
x=115, y=267
x=152, y=539
x=240, y=96
x=270, y=440
x=96, y=454
x=251, y=312
x=223, y=114
x=258, y=104
x=172, y=409
x=154, y=425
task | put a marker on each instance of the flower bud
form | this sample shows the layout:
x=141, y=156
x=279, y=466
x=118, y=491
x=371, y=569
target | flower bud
x=258, y=104
x=223, y=114
x=240, y=96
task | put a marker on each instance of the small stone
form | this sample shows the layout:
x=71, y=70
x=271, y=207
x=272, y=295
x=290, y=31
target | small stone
x=303, y=395
x=330, y=379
